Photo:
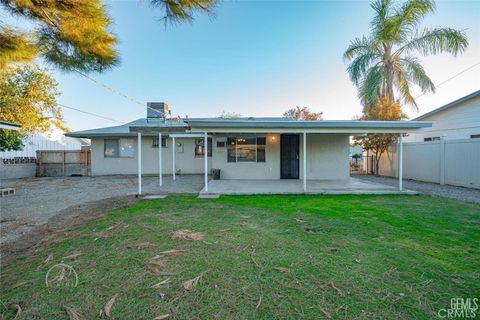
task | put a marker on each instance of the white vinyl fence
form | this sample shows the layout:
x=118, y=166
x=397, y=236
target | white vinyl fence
x=453, y=162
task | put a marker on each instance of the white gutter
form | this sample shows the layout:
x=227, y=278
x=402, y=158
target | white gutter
x=9, y=126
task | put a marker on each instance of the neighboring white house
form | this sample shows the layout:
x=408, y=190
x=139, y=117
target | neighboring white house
x=459, y=119
x=242, y=148
x=448, y=152
x=53, y=139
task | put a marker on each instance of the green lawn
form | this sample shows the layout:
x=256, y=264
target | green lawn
x=383, y=257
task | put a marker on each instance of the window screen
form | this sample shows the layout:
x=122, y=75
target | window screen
x=200, y=147
x=119, y=148
x=155, y=142
x=111, y=148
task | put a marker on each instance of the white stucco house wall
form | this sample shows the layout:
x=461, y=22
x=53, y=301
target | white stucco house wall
x=459, y=119
x=251, y=148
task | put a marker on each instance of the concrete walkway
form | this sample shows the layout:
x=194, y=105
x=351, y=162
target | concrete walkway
x=433, y=189
x=350, y=186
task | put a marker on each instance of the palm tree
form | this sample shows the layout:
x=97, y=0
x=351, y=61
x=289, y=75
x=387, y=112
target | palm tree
x=386, y=63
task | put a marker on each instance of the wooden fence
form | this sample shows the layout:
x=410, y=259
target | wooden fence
x=58, y=163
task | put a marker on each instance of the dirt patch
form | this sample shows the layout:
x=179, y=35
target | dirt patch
x=67, y=218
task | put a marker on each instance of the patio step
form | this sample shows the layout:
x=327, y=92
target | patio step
x=155, y=196
x=208, y=196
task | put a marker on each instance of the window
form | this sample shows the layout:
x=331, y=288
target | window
x=111, y=148
x=475, y=136
x=200, y=147
x=155, y=142
x=431, y=139
x=119, y=148
x=246, y=149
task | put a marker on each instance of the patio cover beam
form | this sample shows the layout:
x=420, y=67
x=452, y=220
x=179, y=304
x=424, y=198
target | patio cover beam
x=160, y=171
x=205, y=155
x=173, y=158
x=304, y=162
x=400, y=163
x=139, y=156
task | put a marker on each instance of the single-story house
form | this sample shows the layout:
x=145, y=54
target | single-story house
x=241, y=148
x=459, y=119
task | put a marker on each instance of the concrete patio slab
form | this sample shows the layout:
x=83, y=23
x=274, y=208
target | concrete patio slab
x=349, y=186
x=155, y=196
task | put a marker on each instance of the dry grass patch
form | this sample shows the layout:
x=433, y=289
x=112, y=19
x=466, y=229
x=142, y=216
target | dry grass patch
x=187, y=235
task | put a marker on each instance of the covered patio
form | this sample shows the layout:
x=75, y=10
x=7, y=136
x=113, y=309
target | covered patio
x=298, y=157
x=348, y=186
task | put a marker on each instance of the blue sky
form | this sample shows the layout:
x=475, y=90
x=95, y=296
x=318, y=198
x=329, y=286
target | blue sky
x=256, y=58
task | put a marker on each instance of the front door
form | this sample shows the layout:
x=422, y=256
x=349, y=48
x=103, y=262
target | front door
x=289, y=156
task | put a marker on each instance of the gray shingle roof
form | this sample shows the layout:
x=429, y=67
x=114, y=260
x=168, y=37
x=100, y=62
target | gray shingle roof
x=124, y=129
x=303, y=124
x=261, y=122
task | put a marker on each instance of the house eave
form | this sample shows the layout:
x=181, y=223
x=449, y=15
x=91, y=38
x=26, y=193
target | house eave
x=449, y=105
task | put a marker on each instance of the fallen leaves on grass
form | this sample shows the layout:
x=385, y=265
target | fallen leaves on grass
x=281, y=269
x=161, y=283
x=74, y=255
x=309, y=229
x=47, y=260
x=326, y=313
x=55, y=238
x=98, y=235
x=187, y=235
x=156, y=266
x=19, y=284
x=141, y=245
x=259, y=303
x=253, y=258
x=108, y=306
x=172, y=252
x=337, y=291
x=163, y=316
x=18, y=308
x=72, y=313
x=190, y=284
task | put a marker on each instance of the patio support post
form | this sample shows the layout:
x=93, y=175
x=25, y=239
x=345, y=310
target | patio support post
x=139, y=156
x=160, y=173
x=400, y=163
x=173, y=157
x=304, y=162
x=205, y=154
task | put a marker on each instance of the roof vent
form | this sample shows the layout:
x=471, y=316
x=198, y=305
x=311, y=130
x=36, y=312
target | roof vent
x=157, y=109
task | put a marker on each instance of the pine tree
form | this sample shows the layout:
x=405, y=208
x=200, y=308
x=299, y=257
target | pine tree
x=74, y=34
